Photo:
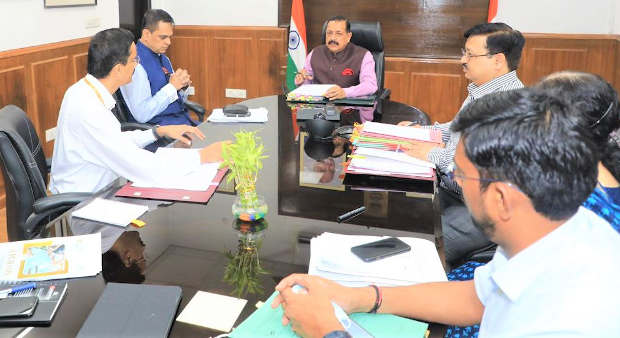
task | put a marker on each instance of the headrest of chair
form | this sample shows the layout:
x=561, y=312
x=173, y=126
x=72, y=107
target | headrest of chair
x=365, y=34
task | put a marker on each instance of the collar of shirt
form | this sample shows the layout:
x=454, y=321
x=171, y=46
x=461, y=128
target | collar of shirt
x=514, y=275
x=492, y=86
x=108, y=100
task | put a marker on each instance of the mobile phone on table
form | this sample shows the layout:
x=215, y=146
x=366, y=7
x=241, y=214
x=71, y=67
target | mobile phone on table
x=380, y=249
x=16, y=307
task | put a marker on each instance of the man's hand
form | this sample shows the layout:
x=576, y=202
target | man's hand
x=180, y=79
x=180, y=132
x=212, y=152
x=420, y=150
x=302, y=76
x=335, y=92
x=407, y=124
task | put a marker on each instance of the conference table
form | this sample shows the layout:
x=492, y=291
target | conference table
x=186, y=244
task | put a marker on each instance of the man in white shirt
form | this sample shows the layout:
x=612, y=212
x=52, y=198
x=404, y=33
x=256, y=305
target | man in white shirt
x=90, y=149
x=525, y=168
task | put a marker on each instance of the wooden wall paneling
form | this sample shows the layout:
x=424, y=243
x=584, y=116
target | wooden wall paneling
x=13, y=81
x=190, y=53
x=80, y=63
x=271, y=57
x=616, y=80
x=50, y=81
x=232, y=66
x=398, y=83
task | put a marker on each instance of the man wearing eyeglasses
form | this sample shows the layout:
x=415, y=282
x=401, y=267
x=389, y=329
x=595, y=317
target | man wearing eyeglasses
x=156, y=93
x=350, y=67
x=490, y=60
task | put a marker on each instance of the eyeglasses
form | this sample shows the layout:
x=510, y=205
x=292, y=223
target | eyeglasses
x=467, y=55
x=136, y=59
x=451, y=175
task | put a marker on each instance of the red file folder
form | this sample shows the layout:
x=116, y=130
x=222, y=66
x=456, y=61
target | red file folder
x=173, y=194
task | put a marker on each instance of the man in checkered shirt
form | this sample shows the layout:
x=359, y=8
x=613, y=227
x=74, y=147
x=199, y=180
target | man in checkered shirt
x=490, y=60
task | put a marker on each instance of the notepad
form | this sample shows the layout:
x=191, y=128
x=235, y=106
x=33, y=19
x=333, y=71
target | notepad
x=213, y=311
x=111, y=212
x=267, y=322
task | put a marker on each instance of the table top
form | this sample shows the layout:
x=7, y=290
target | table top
x=186, y=244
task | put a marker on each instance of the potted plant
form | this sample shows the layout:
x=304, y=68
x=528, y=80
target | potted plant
x=243, y=270
x=244, y=158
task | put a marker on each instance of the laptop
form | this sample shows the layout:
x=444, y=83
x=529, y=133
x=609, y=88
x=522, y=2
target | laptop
x=133, y=310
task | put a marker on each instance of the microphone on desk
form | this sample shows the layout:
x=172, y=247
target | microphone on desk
x=351, y=214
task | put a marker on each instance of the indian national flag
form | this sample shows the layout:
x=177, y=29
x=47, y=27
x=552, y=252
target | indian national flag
x=499, y=10
x=296, y=43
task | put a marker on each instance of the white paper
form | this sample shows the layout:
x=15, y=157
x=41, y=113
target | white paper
x=212, y=310
x=390, y=166
x=311, y=90
x=51, y=258
x=393, y=155
x=111, y=212
x=331, y=257
x=256, y=115
x=420, y=134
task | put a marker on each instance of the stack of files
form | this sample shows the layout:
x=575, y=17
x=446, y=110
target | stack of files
x=331, y=258
x=267, y=322
x=51, y=258
x=257, y=115
x=378, y=150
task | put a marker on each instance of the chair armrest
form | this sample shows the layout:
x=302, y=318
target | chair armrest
x=126, y=126
x=52, y=202
x=196, y=108
x=385, y=94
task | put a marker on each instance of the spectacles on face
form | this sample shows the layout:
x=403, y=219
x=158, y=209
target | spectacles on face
x=468, y=55
x=136, y=59
x=452, y=176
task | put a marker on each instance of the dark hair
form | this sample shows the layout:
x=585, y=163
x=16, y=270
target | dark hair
x=533, y=141
x=594, y=101
x=340, y=18
x=114, y=270
x=107, y=49
x=152, y=17
x=501, y=38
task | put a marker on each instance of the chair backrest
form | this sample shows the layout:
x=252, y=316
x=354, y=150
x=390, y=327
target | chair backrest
x=121, y=110
x=23, y=168
x=368, y=35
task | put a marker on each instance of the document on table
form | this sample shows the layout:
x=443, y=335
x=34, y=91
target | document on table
x=311, y=90
x=111, y=212
x=256, y=115
x=398, y=131
x=212, y=310
x=199, y=179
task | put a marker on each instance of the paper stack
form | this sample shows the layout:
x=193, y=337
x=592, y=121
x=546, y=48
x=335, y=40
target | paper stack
x=309, y=93
x=331, y=258
x=378, y=150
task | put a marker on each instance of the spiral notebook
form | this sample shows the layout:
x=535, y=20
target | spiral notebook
x=51, y=295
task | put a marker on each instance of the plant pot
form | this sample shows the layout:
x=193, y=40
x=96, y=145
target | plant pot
x=249, y=207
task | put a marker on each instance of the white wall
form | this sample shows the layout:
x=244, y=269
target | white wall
x=27, y=23
x=561, y=16
x=221, y=12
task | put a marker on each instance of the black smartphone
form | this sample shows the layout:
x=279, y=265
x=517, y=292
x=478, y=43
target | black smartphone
x=236, y=110
x=380, y=249
x=18, y=306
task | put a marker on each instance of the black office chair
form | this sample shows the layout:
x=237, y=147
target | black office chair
x=368, y=35
x=122, y=113
x=25, y=171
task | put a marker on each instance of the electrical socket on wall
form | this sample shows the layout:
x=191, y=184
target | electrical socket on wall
x=50, y=134
x=191, y=90
x=236, y=93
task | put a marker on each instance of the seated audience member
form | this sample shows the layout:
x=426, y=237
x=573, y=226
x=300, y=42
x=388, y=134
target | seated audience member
x=350, y=67
x=490, y=60
x=90, y=150
x=525, y=168
x=156, y=93
x=596, y=105
x=124, y=262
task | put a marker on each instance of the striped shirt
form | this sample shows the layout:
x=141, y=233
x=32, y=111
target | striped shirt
x=443, y=158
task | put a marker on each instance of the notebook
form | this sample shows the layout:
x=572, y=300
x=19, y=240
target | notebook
x=111, y=212
x=51, y=295
x=135, y=310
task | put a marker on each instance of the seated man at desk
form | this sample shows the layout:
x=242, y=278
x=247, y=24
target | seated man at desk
x=525, y=168
x=90, y=150
x=350, y=67
x=490, y=60
x=156, y=93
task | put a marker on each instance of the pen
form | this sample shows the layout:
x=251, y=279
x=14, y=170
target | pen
x=349, y=215
x=357, y=156
x=18, y=288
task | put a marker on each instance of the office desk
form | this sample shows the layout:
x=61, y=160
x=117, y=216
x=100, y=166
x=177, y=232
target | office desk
x=185, y=244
